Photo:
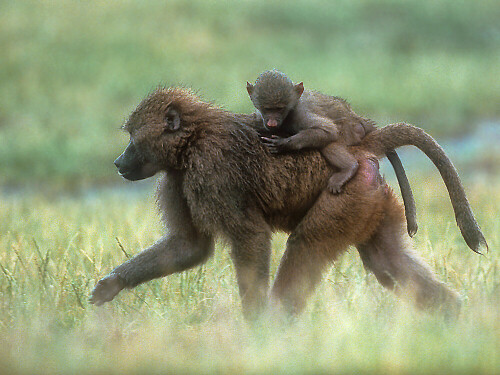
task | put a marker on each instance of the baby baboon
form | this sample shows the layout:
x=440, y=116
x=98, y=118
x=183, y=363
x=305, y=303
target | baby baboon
x=298, y=119
x=218, y=179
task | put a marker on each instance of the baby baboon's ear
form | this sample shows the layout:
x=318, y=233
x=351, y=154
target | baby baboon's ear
x=299, y=88
x=172, y=120
x=249, y=88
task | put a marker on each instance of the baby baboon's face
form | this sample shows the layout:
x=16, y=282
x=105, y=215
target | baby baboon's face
x=274, y=95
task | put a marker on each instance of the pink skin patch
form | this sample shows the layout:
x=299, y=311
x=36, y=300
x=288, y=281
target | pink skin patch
x=369, y=172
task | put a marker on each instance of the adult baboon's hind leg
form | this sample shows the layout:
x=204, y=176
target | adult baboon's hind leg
x=329, y=227
x=299, y=272
x=389, y=255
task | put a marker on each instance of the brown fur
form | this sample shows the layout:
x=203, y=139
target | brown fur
x=219, y=180
x=300, y=119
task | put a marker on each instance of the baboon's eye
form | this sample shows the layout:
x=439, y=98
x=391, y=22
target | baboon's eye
x=172, y=121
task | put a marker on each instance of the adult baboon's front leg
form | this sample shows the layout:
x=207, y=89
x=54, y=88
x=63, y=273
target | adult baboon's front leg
x=251, y=257
x=184, y=247
x=174, y=253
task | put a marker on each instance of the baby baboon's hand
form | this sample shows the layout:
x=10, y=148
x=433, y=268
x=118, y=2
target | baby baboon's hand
x=106, y=289
x=275, y=144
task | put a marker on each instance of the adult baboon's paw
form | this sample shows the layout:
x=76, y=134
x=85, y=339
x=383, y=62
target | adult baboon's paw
x=106, y=289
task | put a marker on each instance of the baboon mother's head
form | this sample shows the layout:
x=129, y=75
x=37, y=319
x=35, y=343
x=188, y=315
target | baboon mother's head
x=159, y=130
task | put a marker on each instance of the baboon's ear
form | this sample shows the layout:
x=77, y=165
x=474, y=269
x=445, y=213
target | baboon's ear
x=299, y=88
x=249, y=88
x=172, y=120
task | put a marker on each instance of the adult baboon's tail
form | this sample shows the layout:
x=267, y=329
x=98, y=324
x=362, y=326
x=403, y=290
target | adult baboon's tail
x=393, y=136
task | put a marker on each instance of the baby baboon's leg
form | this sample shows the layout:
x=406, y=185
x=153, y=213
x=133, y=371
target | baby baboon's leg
x=340, y=157
x=389, y=255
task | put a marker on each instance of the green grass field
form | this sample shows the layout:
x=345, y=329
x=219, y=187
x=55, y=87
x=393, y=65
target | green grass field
x=55, y=250
x=70, y=74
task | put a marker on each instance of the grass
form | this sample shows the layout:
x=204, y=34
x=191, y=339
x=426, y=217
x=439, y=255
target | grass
x=54, y=250
x=72, y=71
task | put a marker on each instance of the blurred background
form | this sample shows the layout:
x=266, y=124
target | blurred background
x=71, y=72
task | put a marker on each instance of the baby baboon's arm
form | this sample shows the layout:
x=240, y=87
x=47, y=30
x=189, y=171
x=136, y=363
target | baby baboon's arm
x=313, y=132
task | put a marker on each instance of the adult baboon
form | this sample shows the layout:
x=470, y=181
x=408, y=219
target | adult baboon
x=220, y=180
